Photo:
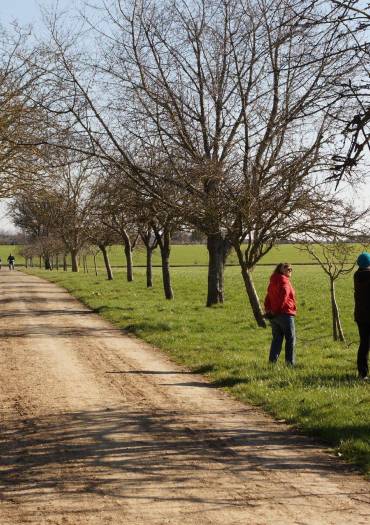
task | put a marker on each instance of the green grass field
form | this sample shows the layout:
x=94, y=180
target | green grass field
x=321, y=396
x=193, y=255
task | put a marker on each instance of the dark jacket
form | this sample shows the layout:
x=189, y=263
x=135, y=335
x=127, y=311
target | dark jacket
x=361, y=280
x=280, y=298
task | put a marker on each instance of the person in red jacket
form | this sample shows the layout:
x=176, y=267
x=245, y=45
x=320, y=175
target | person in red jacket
x=280, y=308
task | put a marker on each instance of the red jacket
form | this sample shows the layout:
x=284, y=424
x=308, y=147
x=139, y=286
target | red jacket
x=280, y=298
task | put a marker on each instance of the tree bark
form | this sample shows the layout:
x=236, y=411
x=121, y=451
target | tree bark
x=218, y=249
x=65, y=266
x=150, y=245
x=164, y=243
x=47, y=264
x=165, y=248
x=96, y=269
x=253, y=297
x=128, y=255
x=250, y=289
x=74, y=260
x=149, y=267
x=103, y=249
x=336, y=323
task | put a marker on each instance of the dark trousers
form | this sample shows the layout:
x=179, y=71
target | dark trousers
x=282, y=327
x=363, y=349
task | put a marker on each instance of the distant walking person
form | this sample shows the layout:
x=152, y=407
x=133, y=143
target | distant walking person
x=11, y=261
x=280, y=307
x=361, y=280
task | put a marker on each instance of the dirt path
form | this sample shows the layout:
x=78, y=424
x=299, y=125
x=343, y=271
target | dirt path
x=99, y=428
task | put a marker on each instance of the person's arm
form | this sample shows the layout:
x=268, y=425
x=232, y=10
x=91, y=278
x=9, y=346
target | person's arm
x=267, y=304
x=284, y=294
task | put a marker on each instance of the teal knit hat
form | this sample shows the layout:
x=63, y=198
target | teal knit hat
x=363, y=260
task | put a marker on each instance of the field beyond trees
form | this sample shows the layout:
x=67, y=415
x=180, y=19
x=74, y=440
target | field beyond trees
x=321, y=397
x=181, y=255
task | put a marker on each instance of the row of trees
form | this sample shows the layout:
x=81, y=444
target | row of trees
x=222, y=117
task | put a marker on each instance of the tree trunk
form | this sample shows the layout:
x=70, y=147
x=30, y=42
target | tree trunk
x=96, y=268
x=106, y=262
x=57, y=263
x=218, y=249
x=74, y=260
x=165, y=248
x=337, y=325
x=149, y=270
x=128, y=255
x=65, y=266
x=250, y=289
x=47, y=264
x=253, y=297
x=84, y=259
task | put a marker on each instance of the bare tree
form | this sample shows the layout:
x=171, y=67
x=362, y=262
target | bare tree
x=228, y=95
x=72, y=199
x=337, y=258
x=232, y=103
x=103, y=237
x=23, y=123
x=114, y=209
x=350, y=19
x=150, y=242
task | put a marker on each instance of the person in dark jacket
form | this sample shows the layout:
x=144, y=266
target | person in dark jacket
x=361, y=280
x=11, y=261
x=280, y=308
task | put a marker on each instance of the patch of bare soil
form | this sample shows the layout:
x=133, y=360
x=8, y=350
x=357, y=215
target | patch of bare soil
x=99, y=428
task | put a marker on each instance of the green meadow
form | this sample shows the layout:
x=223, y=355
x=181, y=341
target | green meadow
x=321, y=396
x=181, y=255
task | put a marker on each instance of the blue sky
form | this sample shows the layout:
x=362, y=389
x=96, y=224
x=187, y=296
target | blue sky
x=27, y=11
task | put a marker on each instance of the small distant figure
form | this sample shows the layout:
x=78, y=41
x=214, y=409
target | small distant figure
x=361, y=280
x=280, y=307
x=11, y=261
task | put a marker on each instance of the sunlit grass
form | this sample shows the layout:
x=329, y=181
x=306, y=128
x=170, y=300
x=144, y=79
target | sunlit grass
x=193, y=255
x=321, y=396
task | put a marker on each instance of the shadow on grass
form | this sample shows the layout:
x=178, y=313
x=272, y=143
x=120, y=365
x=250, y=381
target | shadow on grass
x=105, y=308
x=334, y=379
x=203, y=369
x=148, y=372
x=147, y=327
x=228, y=382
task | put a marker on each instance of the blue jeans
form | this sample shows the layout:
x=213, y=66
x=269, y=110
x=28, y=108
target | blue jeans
x=283, y=326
